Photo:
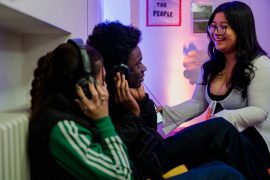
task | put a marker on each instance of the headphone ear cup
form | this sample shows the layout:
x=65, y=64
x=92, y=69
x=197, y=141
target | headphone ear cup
x=83, y=82
x=122, y=68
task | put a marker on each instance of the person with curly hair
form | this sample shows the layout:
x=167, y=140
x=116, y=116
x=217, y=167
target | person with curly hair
x=134, y=116
x=71, y=135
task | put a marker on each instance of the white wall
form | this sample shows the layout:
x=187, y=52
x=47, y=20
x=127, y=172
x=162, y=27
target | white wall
x=163, y=51
x=70, y=15
x=20, y=49
x=116, y=10
x=164, y=57
x=162, y=47
x=261, y=13
x=10, y=71
x=94, y=14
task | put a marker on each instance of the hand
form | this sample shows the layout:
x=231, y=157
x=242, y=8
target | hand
x=139, y=93
x=159, y=109
x=97, y=107
x=123, y=94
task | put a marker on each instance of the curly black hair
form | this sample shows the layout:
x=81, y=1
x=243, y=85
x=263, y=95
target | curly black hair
x=241, y=20
x=114, y=41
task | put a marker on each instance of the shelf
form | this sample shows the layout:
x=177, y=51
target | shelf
x=18, y=22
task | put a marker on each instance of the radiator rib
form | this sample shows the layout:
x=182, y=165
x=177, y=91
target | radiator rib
x=13, y=143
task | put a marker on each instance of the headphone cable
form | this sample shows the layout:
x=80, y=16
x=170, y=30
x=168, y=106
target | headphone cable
x=191, y=140
x=163, y=109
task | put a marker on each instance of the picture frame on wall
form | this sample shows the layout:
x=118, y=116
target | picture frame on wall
x=201, y=12
x=163, y=13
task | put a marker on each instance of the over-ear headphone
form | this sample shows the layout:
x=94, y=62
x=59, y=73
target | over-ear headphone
x=122, y=68
x=87, y=74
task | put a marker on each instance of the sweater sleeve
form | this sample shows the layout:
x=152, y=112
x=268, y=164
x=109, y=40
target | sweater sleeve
x=258, y=98
x=175, y=115
x=73, y=148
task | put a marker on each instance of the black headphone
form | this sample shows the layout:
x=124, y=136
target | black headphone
x=122, y=68
x=87, y=77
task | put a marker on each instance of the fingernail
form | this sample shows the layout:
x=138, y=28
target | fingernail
x=77, y=86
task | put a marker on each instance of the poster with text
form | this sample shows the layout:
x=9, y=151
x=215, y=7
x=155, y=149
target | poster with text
x=163, y=13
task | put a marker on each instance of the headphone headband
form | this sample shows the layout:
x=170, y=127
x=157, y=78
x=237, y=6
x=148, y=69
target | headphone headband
x=83, y=81
x=79, y=44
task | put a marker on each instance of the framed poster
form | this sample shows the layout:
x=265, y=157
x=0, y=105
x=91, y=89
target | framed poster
x=163, y=13
x=201, y=12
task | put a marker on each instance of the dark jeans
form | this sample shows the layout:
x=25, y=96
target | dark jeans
x=211, y=171
x=258, y=142
x=209, y=141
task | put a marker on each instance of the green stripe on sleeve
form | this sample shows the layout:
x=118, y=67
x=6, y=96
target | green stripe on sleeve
x=73, y=148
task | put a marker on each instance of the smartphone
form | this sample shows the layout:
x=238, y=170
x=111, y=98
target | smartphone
x=159, y=116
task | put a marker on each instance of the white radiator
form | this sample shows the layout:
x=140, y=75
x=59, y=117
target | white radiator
x=13, y=146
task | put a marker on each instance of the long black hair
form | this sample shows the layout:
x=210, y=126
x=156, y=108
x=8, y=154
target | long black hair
x=241, y=20
x=57, y=72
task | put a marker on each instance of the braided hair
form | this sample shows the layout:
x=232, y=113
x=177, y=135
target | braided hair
x=58, y=72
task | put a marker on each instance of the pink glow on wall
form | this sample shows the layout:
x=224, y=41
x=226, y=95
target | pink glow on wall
x=164, y=50
x=178, y=88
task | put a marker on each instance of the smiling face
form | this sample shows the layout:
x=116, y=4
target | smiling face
x=136, y=67
x=224, y=43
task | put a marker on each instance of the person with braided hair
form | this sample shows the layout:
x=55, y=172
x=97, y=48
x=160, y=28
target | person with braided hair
x=71, y=135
